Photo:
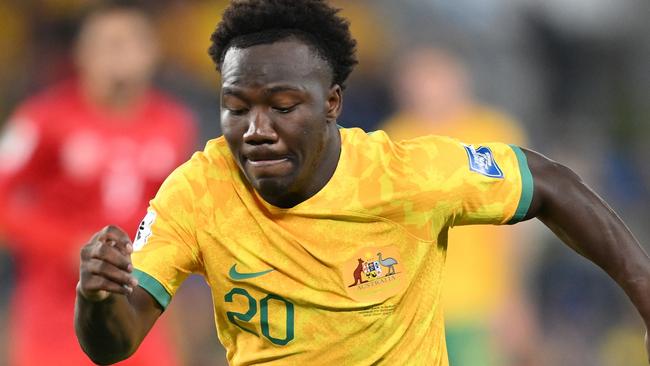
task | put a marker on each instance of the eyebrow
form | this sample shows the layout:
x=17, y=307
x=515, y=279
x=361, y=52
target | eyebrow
x=238, y=92
x=282, y=88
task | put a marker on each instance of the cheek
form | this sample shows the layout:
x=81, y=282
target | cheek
x=232, y=132
x=312, y=140
x=231, y=126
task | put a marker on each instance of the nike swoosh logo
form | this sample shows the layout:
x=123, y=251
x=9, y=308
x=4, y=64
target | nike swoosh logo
x=244, y=276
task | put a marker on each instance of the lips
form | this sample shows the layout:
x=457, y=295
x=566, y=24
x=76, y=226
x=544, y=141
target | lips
x=267, y=163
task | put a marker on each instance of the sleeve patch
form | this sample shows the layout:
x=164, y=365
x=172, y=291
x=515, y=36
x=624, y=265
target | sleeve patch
x=481, y=160
x=144, y=230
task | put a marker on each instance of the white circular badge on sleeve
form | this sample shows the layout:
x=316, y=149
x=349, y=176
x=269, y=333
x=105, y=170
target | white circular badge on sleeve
x=144, y=230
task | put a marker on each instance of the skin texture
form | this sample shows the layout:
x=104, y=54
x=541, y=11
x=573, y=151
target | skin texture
x=112, y=314
x=279, y=118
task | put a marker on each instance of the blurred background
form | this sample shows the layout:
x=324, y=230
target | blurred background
x=568, y=79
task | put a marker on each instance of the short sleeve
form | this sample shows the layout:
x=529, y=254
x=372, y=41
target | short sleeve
x=475, y=184
x=495, y=184
x=165, y=250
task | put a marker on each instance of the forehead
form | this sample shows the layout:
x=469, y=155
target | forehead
x=116, y=25
x=116, y=18
x=287, y=61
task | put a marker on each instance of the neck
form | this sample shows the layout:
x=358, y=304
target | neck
x=117, y=97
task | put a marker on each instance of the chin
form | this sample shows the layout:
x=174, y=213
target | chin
x=275, y=187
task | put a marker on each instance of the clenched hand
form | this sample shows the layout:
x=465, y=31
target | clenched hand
x=106, y=265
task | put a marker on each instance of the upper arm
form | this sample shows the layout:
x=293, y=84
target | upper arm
x=554, y=185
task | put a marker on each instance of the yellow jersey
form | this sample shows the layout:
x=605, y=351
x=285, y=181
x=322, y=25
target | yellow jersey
x=352, y=275
x=479, y=273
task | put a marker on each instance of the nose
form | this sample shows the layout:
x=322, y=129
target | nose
x=260, y=129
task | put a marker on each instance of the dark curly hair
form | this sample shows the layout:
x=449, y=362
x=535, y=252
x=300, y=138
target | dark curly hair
x=246, y=23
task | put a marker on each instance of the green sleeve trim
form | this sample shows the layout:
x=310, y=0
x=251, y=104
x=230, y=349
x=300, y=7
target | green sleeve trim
x=153, y=287
x=526, y=186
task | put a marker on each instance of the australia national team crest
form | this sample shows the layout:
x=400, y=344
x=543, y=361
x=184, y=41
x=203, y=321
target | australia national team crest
x=481, y=160
x=375, y=274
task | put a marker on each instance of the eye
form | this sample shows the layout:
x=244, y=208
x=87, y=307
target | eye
x=237, y=112
x=285, y=110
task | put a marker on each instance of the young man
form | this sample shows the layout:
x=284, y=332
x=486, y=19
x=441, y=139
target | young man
x=323, y=245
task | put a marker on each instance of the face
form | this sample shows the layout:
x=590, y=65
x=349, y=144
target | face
x=116, y=50
x=430, y=82
x=278, y=115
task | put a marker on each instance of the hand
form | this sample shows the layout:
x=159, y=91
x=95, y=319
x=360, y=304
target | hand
x=106, y=267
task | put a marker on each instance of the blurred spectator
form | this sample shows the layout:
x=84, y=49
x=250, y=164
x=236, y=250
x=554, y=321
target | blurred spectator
x=487, y=319
x=84, y=152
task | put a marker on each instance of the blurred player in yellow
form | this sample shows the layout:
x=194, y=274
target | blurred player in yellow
x=322, y=245
x=433, y=93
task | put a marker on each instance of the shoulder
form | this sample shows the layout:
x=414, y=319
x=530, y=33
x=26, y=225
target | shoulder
x=213, y=165
x=200, y=186
x=47, y=101
x=379, y=143
x=422, y=161
x=497, y=125
x=30, y=124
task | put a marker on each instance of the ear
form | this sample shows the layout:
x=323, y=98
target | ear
x=334, y=103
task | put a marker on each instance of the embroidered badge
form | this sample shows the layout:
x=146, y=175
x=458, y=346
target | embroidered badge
x=481, y=160
x=374, y=274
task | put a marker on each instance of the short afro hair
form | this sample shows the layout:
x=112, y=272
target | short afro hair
x=246, y=23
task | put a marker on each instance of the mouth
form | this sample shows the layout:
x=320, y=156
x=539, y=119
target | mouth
x=268, y=165
x=264, y=162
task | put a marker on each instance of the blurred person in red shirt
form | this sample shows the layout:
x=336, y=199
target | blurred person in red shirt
x=81, y=153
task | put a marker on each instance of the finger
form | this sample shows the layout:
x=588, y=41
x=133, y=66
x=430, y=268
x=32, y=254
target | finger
x=125, y=247
x=115, y=233
x=119, y=239
x=107, y=235
x=104, y=269
x=98, y=283
x=108, y=253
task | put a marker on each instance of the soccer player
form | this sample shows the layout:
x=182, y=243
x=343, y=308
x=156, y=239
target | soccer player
x=323, y=245
x=74, y=156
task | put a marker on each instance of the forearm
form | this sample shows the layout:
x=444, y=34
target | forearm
x=107, y=329
x=112, y=313
x=587, y=224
